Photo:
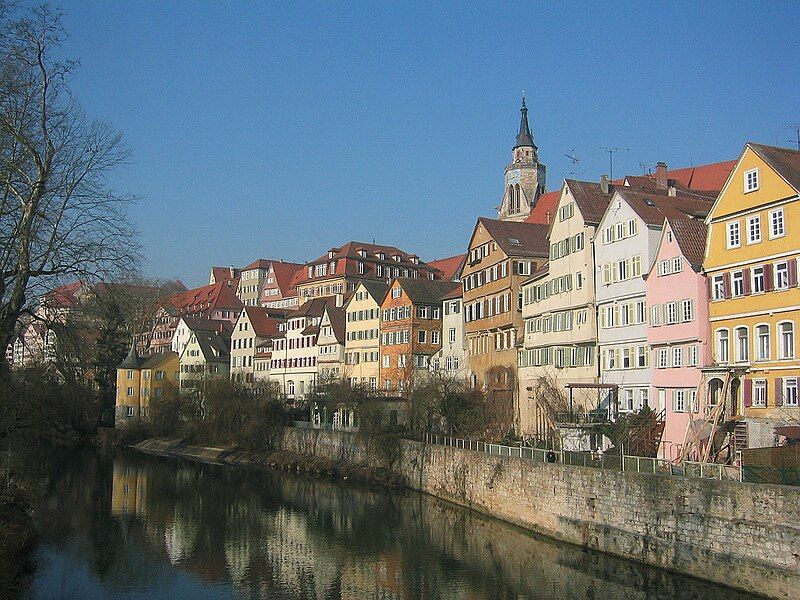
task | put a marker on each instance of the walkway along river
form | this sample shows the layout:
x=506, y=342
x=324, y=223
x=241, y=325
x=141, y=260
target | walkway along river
x=127, y=525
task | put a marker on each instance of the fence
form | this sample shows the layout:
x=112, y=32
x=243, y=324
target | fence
x=634, y=464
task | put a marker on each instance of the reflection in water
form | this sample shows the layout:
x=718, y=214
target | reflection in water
x=132, y=526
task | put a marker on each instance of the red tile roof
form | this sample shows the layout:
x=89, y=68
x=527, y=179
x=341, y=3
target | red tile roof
x=518, y=239
x=654, y=205
x=544, y=209
x=455, y=293
x=591, y=200
x=710, y=177
x=450, y=266
x=336, y=316
x=285, y=274
x=786, y=162
x=220, y=295
x=263, y=325
x=224, y=273
x=691, y=237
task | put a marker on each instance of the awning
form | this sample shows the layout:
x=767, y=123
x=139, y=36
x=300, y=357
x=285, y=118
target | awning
x=789, y=431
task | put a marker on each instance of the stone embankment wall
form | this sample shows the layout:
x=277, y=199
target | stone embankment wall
x=743, y=535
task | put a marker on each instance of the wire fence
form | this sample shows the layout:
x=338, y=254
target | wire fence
x=597, y=460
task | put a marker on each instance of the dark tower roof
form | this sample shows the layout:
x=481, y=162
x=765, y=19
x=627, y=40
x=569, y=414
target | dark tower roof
x=132, y=361
x=524, y=137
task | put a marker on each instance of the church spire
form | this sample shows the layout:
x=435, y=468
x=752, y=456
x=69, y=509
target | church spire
x=524, y=137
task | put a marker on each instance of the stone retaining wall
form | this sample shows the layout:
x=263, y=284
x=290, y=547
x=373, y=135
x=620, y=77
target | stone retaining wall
x=742, y=535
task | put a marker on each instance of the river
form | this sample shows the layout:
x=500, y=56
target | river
x=126, y=525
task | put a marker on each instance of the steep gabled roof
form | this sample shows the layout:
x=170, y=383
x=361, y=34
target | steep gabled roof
x=336, y=316
x=590, y=199
x=214, y=345
x=285, y=273
x=205, y=324
x=654, y=205
x=220, y=295
x=450, y=266
x=426, y=291
x=518, y=239
x=263, y=325
x=225, y=274
x=544, y=209
x=259, y=263
x=709, y=178
x=784, y=161
x=132, y=360
x=312, y=308
x=455, y=293
x=157, y=359
x=691, y=237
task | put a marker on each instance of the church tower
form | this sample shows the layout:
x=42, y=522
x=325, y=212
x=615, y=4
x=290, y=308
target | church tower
x=525, y=177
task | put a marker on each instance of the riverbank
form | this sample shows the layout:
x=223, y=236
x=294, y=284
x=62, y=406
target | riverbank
x=18, y=539
x=740, y=535
x=284, y=460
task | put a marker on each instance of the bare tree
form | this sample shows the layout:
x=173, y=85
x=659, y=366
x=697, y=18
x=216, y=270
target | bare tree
x=59, y=219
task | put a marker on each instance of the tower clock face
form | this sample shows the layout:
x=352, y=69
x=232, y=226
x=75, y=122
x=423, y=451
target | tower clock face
x=513, y=177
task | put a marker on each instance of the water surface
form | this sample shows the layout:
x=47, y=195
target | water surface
x=126, y=525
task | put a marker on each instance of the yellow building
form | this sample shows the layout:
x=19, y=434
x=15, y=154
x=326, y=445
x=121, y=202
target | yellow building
x=362, y=340
x=138, y=380
x=751, y=261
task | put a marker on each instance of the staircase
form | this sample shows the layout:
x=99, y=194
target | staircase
x=739, y=439
x=645, y=439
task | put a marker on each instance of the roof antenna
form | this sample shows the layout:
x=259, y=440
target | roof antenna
x=797, y=135
x=574, y=160
x=611, y=152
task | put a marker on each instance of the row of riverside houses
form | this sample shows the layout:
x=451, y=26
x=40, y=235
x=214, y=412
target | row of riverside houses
x=675, y=290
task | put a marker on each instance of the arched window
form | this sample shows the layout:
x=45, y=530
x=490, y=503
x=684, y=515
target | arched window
x=762, y=342
x=511, y=199
x=742, y=344
x=786, y=339
x=715, y=390
x=290, y=388
x=516, y=199
x=723, y=347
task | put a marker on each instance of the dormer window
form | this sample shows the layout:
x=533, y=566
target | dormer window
x=396, y=257
x=330, y=253
x=361, y=253
x=310, y=272
x=750, y=180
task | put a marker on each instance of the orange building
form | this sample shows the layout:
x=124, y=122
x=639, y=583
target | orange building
x=411, y=328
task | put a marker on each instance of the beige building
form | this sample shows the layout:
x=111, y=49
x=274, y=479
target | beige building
x=331, y=343
x=502, y=255
x=205, y=356
x=362, y=338
x=558, y=306
x=253, y=327
x=451, y=360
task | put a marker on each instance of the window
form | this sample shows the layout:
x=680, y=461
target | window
x=663, y=358
x=691, y=356
x=452, y=335
x=679, y=400
x=130, y=391
x=628, y=400
x=781, y=276
x=434, y=337
x=750, y=180
x=776, y=228
x=757, y=284
x=687, y=310
x=786, y=340
x=759, y=392
x=718, y=288
x=655, y=317
x=737, y=281
x=397, y=292
x=723, y=347
x=790, y=391
x=129, y=411
x=677, y=264
x=742, y=344
x=677, y=357
x=734, y=237
x=387, y=361
x=762, y=342
x=664, y=267
x=130, y=374
x=670, y=313
x=754, y=229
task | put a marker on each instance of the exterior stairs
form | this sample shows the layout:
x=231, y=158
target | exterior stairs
x=645, y=439
x=739, y=439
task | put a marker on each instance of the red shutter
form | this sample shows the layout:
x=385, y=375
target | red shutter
x=778, y=391
x=710, y=282
x=746, y=281
x=748, y=393
x=767, y=277
x=726, y=284
x=792, y=273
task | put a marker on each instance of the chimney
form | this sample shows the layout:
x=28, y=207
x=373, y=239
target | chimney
x=604, y=183
x=661, y=175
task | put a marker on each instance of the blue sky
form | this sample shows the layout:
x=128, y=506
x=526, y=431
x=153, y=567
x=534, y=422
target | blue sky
x=278, y=130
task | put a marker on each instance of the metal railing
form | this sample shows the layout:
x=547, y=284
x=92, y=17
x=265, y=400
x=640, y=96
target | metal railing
x=596, y=460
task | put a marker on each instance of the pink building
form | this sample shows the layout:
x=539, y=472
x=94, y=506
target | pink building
x=679, y=331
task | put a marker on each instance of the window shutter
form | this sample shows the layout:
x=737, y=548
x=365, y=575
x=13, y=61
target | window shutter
x=792, y=273
x=710, y=282
x=748, y=393
x=746, y=281
x=726, y=284
x=778, y=391
x=767, y=277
